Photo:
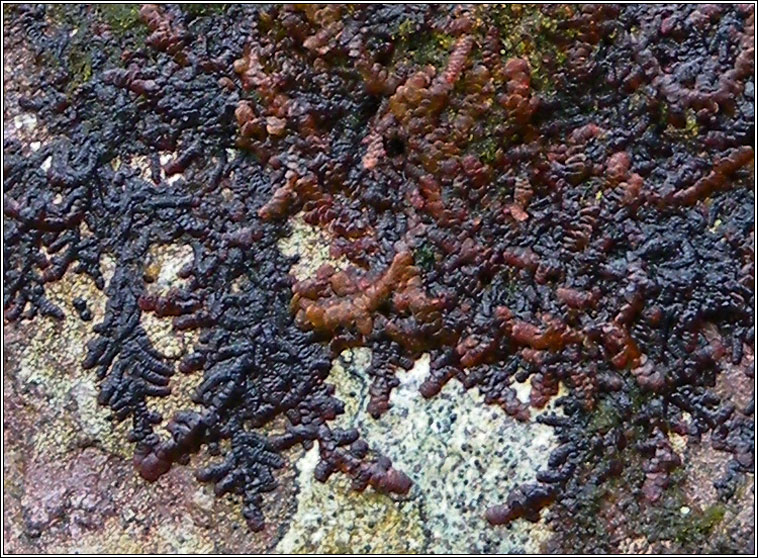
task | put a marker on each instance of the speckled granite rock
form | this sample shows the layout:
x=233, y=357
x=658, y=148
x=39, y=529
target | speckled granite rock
x=461, y=455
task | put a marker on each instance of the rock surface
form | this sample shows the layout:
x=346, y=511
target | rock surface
x=70, y=485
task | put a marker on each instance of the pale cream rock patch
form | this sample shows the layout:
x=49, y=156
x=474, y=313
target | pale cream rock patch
x=50, y=364
x=142, y=163
x=162, y=265
x=523, y=390
x=312, y=244
x=26, y=121
x=332, y=518
x=462, y=455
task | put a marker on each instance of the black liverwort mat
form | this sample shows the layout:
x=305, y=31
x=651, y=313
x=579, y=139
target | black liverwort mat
x=559, y=194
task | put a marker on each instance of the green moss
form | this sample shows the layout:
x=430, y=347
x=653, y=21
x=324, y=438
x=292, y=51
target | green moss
x=76, y=58
x=669, y=521
x=254, y=96
x=673, y=520
x=586, y=522
x=64, y=14
x=122, y=18
x=433, y=49
x=80, y=67
x=405, y=30
x=530, y=32
x=422, y=48
x=704, y=523
x=353, y=122
x=605, y=417
x=424, y=256
x=691, y=126
x=609, y=413
x=485, y=148
x=202, y=10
